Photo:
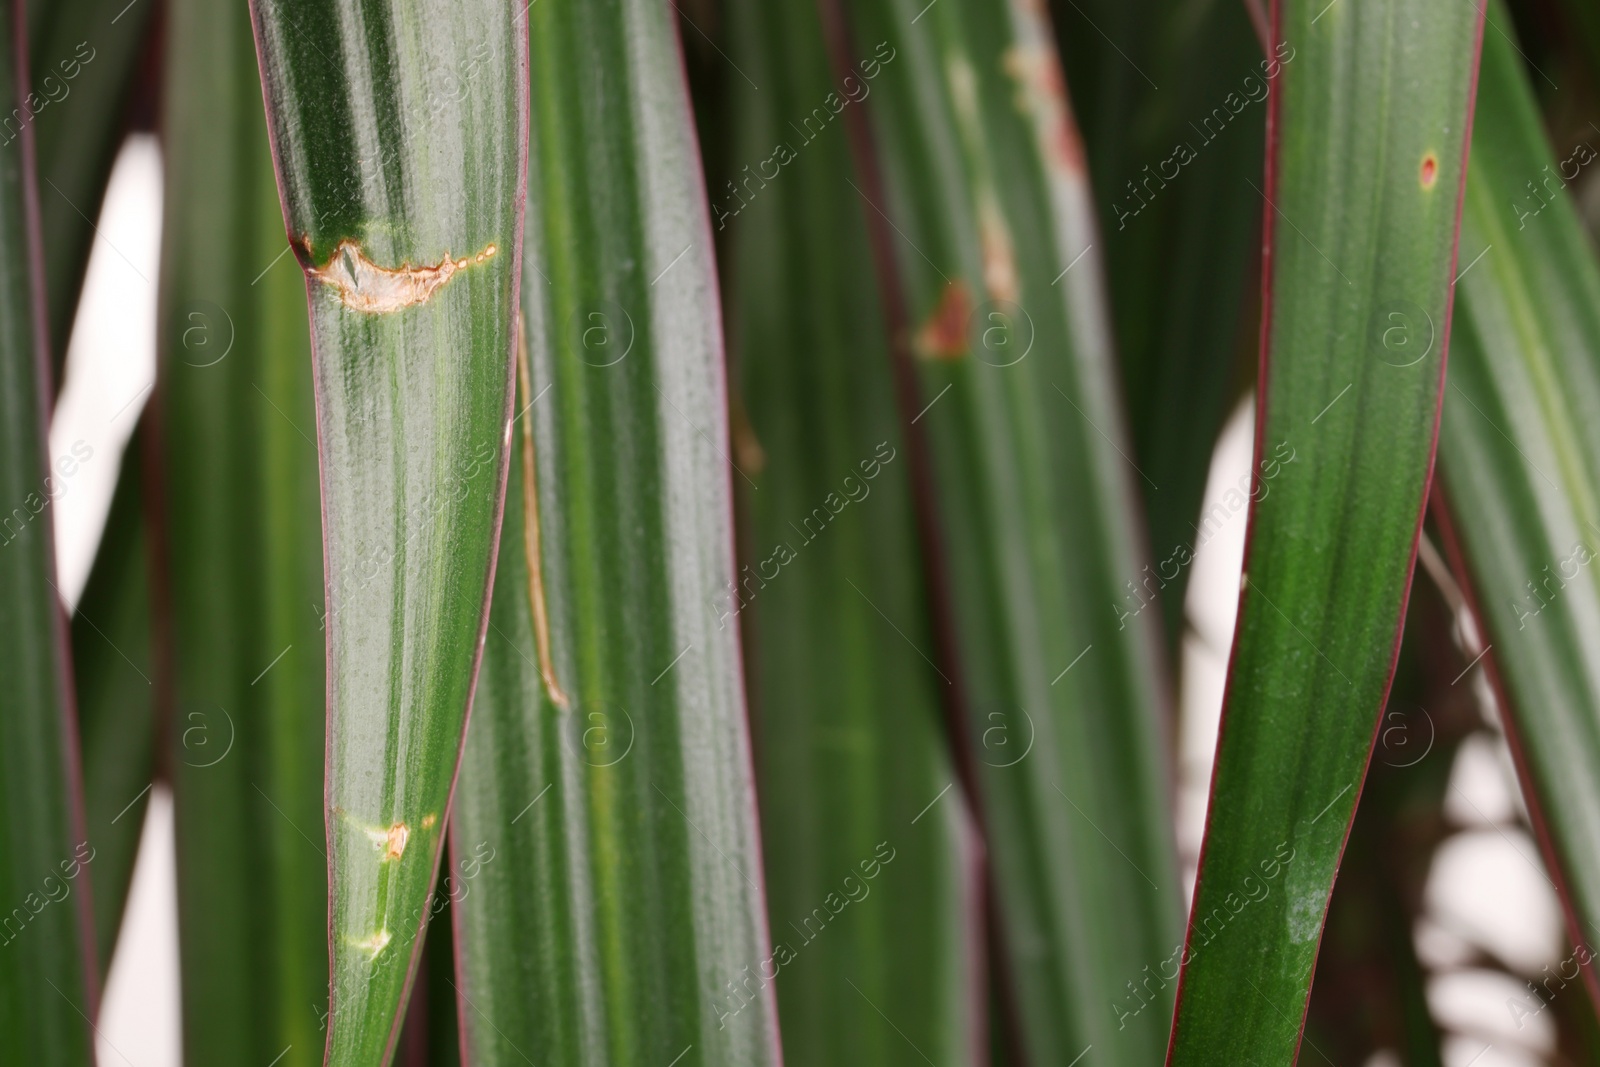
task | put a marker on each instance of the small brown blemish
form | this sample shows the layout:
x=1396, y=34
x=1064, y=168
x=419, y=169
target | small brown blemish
x=746, y=445
x=429, y=820
x=999, y=258
x=944, y=334
x=1430, y=171
x=365, y=286
x=395, y=841
x=1042, y=95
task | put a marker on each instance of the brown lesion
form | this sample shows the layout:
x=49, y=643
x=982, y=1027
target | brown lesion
x=394, y=845
x=1428, y=173
x=746, y=445
x=999, y=256
x=1043, y=96
x=364, y=286
x=943, y=335
x=531, y=547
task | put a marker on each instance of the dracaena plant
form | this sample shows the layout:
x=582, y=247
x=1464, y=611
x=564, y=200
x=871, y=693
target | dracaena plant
x=661, y=532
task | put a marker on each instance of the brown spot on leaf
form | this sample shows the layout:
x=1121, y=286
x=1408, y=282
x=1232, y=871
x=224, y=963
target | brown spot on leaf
x=1430, y=170
x=746, y=445
x=395, y=843
x=1042, y=94
x=944, y=334
x=999, y=258
x=365, y=286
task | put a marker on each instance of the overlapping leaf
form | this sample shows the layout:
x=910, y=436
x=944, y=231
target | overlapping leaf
x=1172, y=98
x=606, y=866
x=1366, y=151
x=48, y=984
x=399, y=134
x=1519, y=454
x=870, y=860
x=244, y=554
x=984, y=229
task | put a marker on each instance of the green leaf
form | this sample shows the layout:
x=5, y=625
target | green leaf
x=1370, y=990
x=114, y=675
x=861, y=811
x=984, y=230
x=48, y=985
x=1519, y=455
x=83, y=62
x=398, y=128
x=1366, y=152
x=1173, y=128
x=244, y=552
x=606, y=866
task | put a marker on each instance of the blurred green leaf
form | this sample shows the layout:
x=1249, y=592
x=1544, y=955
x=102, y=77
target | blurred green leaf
x=985, y=235
x=114, y=673
x=1173, y=99
x=48, y=985
x=606, y=865
x=1366, y=151
x=244, y=553
x=401, y=167
x=83, y=63
x=1519, y=453
x=853, y=768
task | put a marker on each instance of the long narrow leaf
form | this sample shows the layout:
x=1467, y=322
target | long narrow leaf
x=48, y=983
x=852, y=766
x=610, y=909
x=1366, y=160
x=399, y=133
x=1519, y=453
x=985, y=232
x=1173, y=126
x=244, y=554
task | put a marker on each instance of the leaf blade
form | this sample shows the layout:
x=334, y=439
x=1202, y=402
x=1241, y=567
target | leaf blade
x=608, y=761
x=402, y=204
x=852, y=762
x=1032, y=502
x=1520, y=466
x=48, y=982
x=243, y=555
x=1350, y=272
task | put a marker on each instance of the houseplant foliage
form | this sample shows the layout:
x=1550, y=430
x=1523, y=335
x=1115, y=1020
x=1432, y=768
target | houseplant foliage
x=604, y=843
x=657, y=504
